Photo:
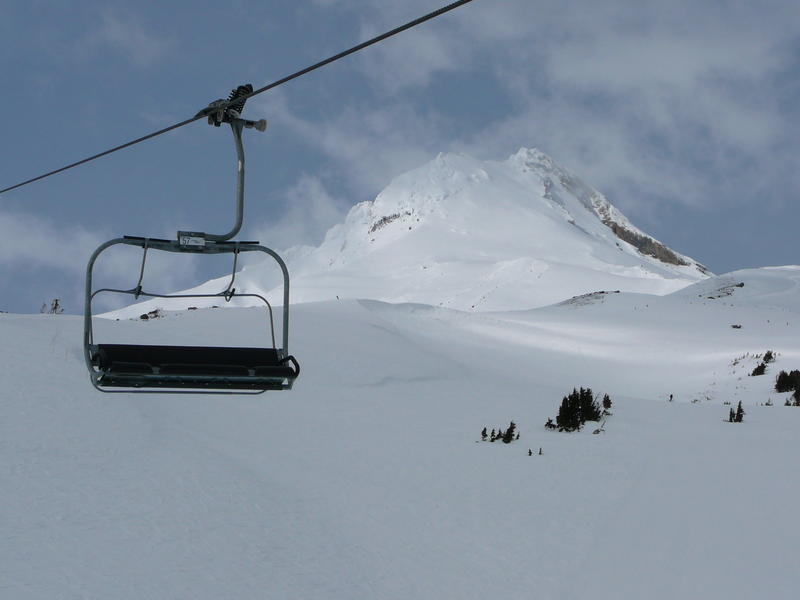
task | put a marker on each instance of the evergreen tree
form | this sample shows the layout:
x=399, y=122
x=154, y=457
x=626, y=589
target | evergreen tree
x=483, y=434
x=494, y=437
x=589, y=410
x=732, y=416
x=569, y=417
x=508, y=436
x=769, y=356
x=530, y=452
x=55, y=307
x=550, y=424
x=759, y=370
x=796, y=397
x=783, y=382
x=739, y=413
x=606, y=402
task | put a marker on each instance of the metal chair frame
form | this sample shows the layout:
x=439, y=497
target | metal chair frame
x=196, y=243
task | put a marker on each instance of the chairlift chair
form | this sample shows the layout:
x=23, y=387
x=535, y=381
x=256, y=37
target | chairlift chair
x=195, y=369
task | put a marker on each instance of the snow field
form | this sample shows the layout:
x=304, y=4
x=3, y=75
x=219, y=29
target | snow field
x=367, y=480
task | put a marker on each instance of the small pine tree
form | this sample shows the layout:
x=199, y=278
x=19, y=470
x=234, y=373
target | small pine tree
x=739, y=413
x=484, y=434
x=606, y=402
x=530, y=452
x=796, y=397
x=769, y=356
x=569, y=417
x=731, y=416
x=550, y=424
x=759, y=370
x=494, y=437
x=55, y=307
x=508, y=436
x=589, y=409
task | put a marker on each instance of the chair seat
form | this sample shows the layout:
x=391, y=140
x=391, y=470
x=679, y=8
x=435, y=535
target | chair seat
x=123, y=365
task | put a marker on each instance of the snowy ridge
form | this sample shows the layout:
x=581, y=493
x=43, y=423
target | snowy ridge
x=477, y=235
x=481, y=235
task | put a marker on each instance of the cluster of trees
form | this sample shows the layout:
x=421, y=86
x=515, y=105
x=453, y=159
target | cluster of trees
x=577, y=408
x=507, y=436
x=736, y=416
x=787, y=382
x=761, y=368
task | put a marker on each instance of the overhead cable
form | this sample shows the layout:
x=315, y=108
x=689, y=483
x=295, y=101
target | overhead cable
x=202, y=114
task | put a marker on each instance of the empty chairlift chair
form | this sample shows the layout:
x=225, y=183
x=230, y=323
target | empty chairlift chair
x=195, y=369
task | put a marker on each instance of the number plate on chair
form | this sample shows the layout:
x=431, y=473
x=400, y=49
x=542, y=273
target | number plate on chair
x=191, y=238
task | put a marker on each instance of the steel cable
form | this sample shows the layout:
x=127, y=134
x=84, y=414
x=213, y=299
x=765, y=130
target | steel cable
x=202, y=114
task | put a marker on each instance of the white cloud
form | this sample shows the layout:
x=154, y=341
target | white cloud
x=672, y=100
x=128, y=36
x=38, y=243
x=311, y=211
x=410, y=61
x=38, y=248
x=369, y=145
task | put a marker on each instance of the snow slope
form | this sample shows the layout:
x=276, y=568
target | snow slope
x=475, y=235
x=368, y=480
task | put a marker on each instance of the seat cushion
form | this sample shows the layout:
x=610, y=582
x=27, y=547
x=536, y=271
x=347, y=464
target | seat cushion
x=186, y=359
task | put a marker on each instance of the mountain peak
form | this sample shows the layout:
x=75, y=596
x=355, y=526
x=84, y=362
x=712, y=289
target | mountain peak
x=472, y=234
x=532, y=157
x=468, y=234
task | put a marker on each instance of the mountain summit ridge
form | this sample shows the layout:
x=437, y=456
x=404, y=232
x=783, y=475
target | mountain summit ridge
x=488, y=235
x=470, y=234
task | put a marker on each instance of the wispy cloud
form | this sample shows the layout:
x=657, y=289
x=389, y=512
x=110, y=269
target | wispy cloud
x=37, y=248
x=368, y=144
x=310, y=211
x=127, y=35
x=672, y=101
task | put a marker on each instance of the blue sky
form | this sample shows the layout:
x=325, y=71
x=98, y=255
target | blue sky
x=683, y=114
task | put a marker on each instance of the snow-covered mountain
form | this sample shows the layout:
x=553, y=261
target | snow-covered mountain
x=478, y=235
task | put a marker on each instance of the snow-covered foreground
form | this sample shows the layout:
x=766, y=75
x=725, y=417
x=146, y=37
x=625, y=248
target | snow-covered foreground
x=367, y=480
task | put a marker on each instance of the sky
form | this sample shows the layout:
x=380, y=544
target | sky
x=683, y=114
